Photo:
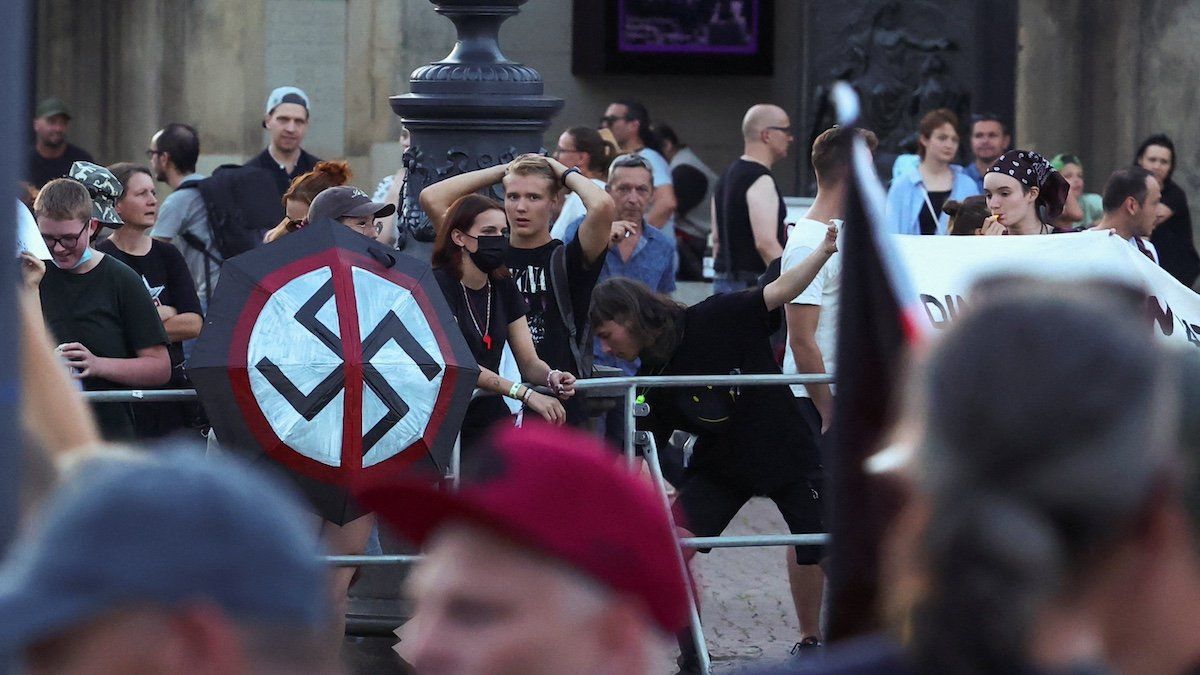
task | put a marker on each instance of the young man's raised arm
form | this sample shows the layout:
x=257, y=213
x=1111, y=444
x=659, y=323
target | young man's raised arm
x=596, y=229
x=436, y=198
x=790, y=283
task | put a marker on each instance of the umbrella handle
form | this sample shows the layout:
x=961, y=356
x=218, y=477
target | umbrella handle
x=382, y=257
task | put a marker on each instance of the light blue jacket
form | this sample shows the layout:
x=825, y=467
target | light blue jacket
x=906, y=198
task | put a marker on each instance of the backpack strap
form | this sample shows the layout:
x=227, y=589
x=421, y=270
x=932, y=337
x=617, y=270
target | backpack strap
x=562, y=296
x=210, y=260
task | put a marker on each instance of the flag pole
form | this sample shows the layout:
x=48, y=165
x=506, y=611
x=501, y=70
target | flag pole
x=872, y=333
x=14, y=47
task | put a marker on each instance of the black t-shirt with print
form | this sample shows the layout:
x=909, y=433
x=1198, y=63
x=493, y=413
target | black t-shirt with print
x=107, y=310
x=530, y=268
x=752, y=437
x=507, y=306
x=166, y=277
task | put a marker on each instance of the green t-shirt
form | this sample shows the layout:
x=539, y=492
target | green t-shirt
x=109, y=311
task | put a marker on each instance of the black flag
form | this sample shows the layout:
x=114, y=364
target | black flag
x=873, y=331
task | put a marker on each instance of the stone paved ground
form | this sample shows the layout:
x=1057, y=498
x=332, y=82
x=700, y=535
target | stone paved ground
x=747, y=609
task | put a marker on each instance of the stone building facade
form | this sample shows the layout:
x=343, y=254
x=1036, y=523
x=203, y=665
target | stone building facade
x=1091, y=76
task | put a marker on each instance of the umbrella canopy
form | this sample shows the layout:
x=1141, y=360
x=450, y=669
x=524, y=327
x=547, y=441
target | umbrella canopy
x=335, y=358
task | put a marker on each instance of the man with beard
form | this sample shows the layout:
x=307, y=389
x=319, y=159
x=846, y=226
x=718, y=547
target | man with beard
x=989, y=140
x=52, y=156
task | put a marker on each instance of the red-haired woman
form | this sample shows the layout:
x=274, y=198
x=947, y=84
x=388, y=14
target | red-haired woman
x=915, y=199
x=303, y=190
x=468, y=261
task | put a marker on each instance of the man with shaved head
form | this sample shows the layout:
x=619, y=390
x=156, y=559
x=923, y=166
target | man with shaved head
x=748, y=208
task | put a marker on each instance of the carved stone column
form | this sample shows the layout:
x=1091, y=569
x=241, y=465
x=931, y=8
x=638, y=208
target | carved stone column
x=471, y=110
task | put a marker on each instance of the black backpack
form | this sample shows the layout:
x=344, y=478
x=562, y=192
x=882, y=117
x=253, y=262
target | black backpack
x=242, y=203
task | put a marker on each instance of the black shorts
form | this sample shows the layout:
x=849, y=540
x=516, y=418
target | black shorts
x=705, y=507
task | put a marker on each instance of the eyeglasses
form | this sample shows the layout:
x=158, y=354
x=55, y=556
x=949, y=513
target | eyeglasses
x=67, y=242
x=609, y=119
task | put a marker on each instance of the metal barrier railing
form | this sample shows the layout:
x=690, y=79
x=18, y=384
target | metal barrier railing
x=628, y=386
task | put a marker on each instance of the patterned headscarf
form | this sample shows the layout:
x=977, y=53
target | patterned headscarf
x=1033, y=171
x=104, y=189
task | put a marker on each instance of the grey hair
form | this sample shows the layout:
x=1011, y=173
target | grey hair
x=628, y=162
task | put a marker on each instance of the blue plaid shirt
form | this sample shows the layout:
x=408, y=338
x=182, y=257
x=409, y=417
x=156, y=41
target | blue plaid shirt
x=652, y=263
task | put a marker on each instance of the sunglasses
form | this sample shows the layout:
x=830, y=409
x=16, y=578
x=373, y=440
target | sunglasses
x=786, y=130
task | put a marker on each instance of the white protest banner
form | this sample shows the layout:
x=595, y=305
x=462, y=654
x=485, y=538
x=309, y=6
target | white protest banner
x=943, y=269
x=28, y=236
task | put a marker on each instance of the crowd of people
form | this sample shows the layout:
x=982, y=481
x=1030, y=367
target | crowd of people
x=1024, y=193
x=552, y=558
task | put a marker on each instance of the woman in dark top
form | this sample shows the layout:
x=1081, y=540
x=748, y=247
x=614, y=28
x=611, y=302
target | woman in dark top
x=1172, y=237
x=165, y=275
x=750, y=440
x=468, y=261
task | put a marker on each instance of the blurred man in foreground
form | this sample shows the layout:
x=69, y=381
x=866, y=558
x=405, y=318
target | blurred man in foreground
x=174, y=564
x=551, y=559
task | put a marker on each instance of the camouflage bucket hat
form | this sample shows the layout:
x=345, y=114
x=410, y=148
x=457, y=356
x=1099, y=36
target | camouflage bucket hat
x=104, y=189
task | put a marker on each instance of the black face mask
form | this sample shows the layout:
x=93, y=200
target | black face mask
x=490, y=252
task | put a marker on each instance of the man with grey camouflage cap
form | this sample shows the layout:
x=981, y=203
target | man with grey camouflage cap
x=111, y=335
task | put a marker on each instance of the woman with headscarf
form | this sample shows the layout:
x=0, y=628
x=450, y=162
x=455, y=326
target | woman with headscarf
x=1024, y=193
x=1172, y=236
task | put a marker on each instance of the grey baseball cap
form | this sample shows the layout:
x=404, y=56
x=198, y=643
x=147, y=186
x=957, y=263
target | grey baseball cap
x=281, y=95
x=168, y=530
x=346, y=200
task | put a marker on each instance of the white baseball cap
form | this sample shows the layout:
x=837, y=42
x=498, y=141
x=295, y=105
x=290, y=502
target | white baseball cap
x=287, y=95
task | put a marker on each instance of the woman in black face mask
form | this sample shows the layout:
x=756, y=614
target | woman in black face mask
x=468, y=262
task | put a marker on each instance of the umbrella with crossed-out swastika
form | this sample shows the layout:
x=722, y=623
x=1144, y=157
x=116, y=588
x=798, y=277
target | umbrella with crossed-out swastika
x=336, y=358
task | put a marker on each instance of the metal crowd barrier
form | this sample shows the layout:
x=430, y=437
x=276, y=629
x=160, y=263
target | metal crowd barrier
x=628, y=386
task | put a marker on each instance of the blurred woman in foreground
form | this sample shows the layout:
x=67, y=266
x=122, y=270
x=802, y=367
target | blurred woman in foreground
x=1026, y=526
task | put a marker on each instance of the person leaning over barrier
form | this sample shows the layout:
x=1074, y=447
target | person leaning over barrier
x=168, y=564
x=552, y=558
x=750, y=440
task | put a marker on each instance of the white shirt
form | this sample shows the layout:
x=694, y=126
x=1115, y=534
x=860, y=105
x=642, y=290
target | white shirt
x=572, y=210
x=823, y=292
